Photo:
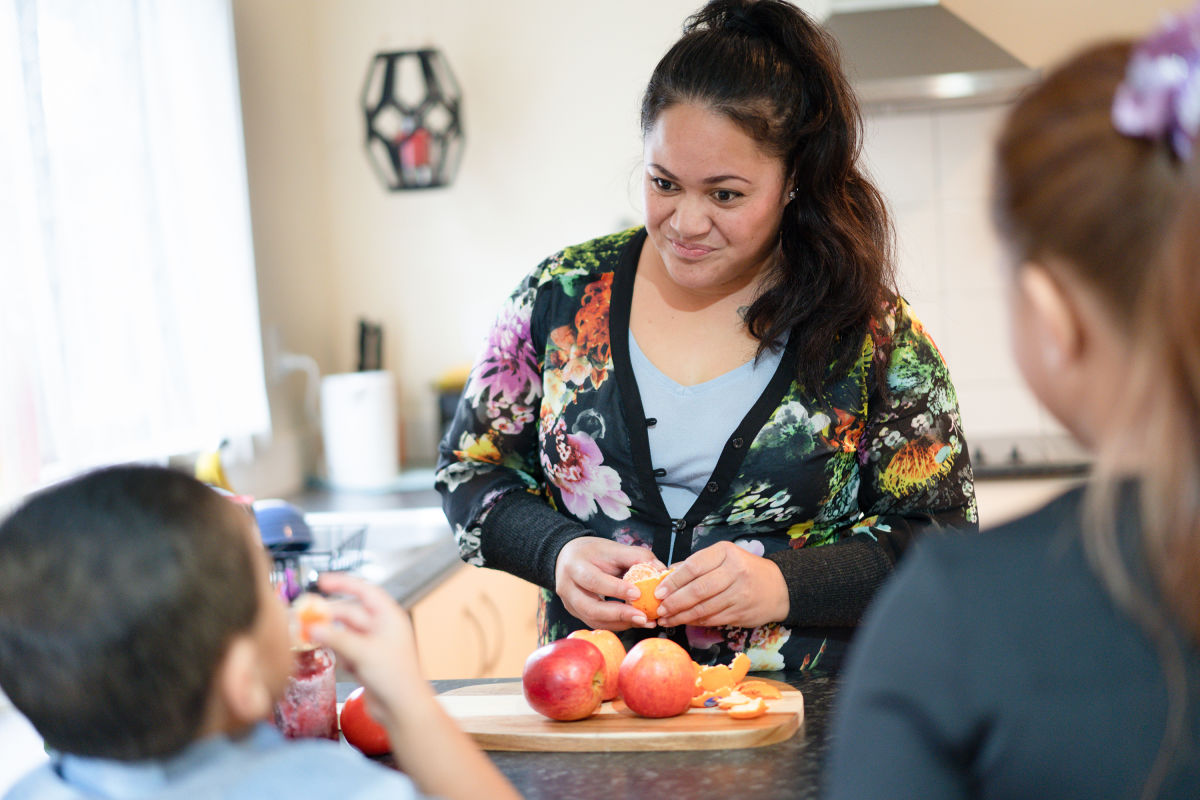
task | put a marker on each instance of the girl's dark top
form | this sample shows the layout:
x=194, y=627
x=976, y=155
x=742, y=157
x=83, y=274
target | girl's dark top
x=998, y=666
x=549, y=443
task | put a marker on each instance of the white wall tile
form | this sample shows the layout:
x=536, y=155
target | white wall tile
x=918, y=254
x=935, y=170
x=975, y=340
x=899, y=156
x=997, y=408
x=964, y=151
x=972, y=256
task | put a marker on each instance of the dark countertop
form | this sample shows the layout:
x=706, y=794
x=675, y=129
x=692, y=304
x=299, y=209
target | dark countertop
x=789, y=769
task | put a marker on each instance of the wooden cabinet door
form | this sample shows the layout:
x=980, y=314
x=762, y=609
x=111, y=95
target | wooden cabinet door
x=479, y=623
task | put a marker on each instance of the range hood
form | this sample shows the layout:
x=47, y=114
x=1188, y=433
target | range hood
x=919, y=54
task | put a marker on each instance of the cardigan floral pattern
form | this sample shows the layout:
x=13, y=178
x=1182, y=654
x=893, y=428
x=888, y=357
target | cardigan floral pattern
x=551, y=408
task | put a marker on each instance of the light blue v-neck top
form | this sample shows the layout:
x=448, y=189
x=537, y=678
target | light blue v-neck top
x=692, y=423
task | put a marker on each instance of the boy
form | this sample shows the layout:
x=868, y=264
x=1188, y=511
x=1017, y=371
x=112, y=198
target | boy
x=140, y=636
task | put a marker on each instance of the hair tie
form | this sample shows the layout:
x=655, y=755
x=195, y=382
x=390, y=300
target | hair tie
x=1160, y=95
x=738, y=20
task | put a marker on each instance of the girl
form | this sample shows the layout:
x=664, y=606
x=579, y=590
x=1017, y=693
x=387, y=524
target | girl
x=1056, y=656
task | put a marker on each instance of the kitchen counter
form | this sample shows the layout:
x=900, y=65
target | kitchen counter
x=789, y=769
x=409, y=548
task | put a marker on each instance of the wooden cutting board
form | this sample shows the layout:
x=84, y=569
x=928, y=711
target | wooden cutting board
x=498, y=718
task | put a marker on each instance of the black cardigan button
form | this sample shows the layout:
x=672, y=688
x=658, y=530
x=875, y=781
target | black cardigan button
x=712, y=486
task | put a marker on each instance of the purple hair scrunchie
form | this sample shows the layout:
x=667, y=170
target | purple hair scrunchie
x=1160, y=95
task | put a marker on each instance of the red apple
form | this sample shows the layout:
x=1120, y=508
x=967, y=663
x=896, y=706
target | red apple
x=614, y=654
x=657, y=679
x=564, y=680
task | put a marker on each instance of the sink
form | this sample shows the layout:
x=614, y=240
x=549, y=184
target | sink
x=405, y=550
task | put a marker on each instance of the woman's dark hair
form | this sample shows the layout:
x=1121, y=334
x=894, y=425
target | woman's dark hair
x=777, y=74
x=119, y=594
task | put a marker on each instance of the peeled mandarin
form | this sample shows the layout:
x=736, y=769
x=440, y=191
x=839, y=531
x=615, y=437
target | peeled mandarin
x=646, y=577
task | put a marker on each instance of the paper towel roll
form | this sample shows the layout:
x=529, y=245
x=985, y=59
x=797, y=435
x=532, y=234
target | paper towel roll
x=358, y=418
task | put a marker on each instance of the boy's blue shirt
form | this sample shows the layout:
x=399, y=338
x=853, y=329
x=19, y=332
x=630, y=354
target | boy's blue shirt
x=262, y=764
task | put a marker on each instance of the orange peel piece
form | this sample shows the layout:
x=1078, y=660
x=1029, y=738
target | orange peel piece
x=718, y=675
x=715, y=677
x=710, y=699
x=755, y=707
x=740, y=667
x=759, y=689
x=646, y=577
x=733, y=699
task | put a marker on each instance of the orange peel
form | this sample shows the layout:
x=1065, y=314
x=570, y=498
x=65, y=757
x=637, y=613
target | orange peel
x=740, y=667
x=646, y=577
x=755, y=707
x=759, y=689
x=715, y=677
x=733, y=699
x=718, y=675
x=710, y=699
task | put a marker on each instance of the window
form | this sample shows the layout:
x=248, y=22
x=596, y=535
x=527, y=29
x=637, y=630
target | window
x=128, y=310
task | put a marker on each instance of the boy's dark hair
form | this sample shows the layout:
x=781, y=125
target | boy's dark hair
x=119, y=593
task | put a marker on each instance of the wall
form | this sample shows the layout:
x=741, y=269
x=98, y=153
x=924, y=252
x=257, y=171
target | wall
x=290, y=213
x=552, y=145
x=551, y=158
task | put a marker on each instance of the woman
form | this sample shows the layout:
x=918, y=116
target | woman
x=732, y=387
x=1057, y=656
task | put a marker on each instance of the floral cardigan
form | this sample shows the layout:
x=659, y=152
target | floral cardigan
x=549, y=443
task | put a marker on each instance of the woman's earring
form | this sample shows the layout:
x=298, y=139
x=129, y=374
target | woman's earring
x=792, y=195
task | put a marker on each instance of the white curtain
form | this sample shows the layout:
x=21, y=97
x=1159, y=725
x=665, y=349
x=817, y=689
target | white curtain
x=128, y=310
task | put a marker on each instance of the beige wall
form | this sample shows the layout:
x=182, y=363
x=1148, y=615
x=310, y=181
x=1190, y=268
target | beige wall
x=551, y=94
x=552, y=144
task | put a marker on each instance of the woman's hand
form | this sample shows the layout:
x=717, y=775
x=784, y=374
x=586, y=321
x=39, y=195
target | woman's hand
x=723, y=585
x=588, y=570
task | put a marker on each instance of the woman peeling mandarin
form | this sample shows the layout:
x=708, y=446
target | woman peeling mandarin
x=716, y=391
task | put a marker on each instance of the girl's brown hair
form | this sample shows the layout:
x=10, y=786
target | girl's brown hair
x=1122, y=214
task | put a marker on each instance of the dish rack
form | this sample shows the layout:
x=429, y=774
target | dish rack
x=335, y=548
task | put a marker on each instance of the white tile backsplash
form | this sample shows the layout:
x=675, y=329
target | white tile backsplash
x=900, y=159
x=934, y=167
x=918, y=255
x=962, y=140
x=971, y=256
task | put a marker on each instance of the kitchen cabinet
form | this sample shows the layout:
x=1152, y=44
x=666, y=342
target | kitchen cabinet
x=478, y=623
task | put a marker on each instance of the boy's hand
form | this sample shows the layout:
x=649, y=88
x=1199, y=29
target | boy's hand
x=373, y=640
